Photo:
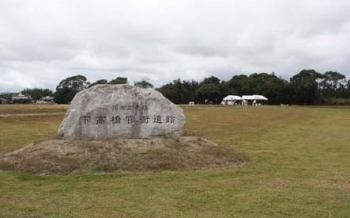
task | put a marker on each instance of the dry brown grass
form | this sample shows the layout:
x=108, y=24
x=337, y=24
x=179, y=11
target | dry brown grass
x=6, y=109
x=158, y=154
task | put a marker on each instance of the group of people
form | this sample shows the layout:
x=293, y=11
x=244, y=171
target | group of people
x=240, y=102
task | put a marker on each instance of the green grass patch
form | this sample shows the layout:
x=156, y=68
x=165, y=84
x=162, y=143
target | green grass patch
x=299, y=167
x=16, y=131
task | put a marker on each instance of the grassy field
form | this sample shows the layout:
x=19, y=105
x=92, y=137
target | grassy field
x=299, y=167
x=8, y=109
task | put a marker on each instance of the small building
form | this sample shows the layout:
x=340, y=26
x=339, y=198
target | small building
x=3, y=100
x=46, y=100
x=20, y=98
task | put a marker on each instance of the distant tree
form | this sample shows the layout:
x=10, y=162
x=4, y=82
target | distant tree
x=211, y=80
x=67, y=88
x=239, y=85
x=189, y=89
x=180, y=92
x=143, y=84
x=209, y=92
x=333, y=84
x=36, y=93
x=347, y=91
x=267, y=84
x=119, y=80
x=304, y=87
x=169, y=91
x=209, y=89
x=101, y=81
x=7, y=95
x=270, y=86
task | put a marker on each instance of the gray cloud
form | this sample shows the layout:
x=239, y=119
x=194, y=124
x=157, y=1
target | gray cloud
x=44, y=42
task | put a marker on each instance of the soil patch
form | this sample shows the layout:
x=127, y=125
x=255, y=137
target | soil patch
x=58, y=156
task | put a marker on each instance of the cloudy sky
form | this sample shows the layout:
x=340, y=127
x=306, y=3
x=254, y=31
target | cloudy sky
x=45, y=41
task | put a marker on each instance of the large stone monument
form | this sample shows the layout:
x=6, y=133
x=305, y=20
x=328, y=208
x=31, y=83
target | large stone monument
x=121, y=111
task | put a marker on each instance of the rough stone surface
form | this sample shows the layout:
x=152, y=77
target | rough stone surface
x=121, y=111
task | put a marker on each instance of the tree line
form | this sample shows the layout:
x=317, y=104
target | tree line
x=308, y=87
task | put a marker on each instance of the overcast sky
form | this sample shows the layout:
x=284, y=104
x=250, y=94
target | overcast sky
x=45, y=41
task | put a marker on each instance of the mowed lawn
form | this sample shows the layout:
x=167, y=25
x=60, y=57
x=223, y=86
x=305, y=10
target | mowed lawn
x=299, y=167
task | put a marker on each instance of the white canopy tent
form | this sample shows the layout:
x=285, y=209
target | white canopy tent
x=231, y=100
x=254, y=99
x=232, y=97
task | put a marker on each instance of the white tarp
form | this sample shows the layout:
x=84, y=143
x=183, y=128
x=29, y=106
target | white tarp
x=254, y=97
x=232, y=97
x=231, y=100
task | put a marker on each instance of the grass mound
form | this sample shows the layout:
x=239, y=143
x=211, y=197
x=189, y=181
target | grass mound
x=59, y=156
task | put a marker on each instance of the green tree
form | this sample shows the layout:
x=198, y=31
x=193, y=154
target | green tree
x=204, y=94
x=170, y=92
x=143, y=84
x=209, y=93
x=98, y=82
x=274, y=88
x=189, y=91
x=119, y=80
x=239, y=85
x=333, y=84
x=347, y=90
x=304, y=87
x=211, y=80
x=67, y=88
x=270, y=86
x=36, y=93
x=180, y=92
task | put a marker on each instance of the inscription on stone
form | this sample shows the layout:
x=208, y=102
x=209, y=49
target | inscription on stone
x=84, y=120
x=103, y=119
x=121, y=111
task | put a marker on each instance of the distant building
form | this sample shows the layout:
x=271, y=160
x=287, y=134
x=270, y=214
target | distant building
x=20, y=98
x=3, y=100
x=46, y=100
